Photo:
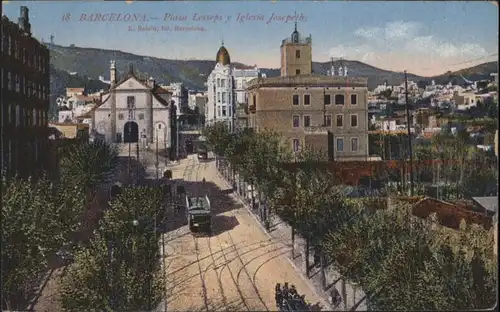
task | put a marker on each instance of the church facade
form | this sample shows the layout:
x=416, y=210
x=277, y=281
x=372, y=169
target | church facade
x=226, y=90
x=134, y=110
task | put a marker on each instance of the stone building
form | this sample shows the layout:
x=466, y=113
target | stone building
x=296, y=55
x=134, y=109
x=327, y=112
x=226, y=89
x=25, y=91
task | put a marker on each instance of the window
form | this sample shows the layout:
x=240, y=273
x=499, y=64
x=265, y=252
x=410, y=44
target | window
x=328, y=120
x=18, y=83
x=9, y=81
x=224, y=111
x=340, y=145
x=354, y=99
x=295, y=99
x=18, y=115
x=307, y=121
x=218, y=82
x=327, y=99
x=159, y=126
x=223, y=83
x=141, y=116
x=296, y=145
x=340, y=120
x=297, y=72
x=218, y=111
x=354, y=144
x=9, y=46
x=297, y=53
x=254, y=98
x=9, y=114
x=120, y=116
x=34, y=117
x=224, y=97
x=307, y=99
x=218, y=97
x=296, y=121
x=339, y=99
x=131, y=102
x=354, y=120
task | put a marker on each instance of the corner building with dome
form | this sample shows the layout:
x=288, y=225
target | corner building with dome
x=227, y=89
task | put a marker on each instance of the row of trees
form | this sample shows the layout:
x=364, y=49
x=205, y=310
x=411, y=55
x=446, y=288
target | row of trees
x=400, y=261
x=40, y=216
x=463, y=169
x=120, y=269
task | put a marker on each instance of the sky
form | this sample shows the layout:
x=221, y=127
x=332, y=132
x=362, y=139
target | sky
x=426, y=38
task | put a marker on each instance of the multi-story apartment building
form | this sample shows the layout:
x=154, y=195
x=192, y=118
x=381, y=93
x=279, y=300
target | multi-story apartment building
x=226, y=89
x=24, y=98
x=327, y=112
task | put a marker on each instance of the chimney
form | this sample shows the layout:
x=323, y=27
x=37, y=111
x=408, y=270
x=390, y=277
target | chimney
x=112, y=73
x=24, y=20
x=151, y=82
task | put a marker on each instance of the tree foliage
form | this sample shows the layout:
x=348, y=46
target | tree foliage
x=40, y=217
x=402, y=262
x=120, y=271
x=36, y=222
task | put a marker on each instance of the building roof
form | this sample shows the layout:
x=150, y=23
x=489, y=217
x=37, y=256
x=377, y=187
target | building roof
x=489, y=203
x=222, y=56
x=85, y=98
x=320, y=81
x=75, y=90
x=156, y=91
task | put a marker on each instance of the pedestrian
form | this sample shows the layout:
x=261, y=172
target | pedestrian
x=335, y=297
x=293, y=291
x=285, y=290
x=278, y=296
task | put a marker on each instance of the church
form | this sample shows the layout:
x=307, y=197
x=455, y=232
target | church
x=134, y=110
x=227, y=89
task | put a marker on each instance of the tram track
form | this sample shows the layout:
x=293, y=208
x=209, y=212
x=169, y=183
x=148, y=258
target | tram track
x=203, y=284
x=238, y=255
x=236, y=284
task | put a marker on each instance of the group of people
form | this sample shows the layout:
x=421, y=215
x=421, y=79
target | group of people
x=285, y=292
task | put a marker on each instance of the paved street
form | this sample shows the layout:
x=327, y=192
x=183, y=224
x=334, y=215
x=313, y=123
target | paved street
x=234, y=269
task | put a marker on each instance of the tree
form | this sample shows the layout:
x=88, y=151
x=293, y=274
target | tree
x=120, y=270
x=36, y=223
x=88, y=165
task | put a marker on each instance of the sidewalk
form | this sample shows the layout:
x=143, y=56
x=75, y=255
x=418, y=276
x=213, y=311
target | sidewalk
x=353, y=297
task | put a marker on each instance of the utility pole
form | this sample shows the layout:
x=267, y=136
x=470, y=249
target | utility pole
x=177, y=139
x=157, y=160
x=408, y=125
x=137, y=165
x=129, y=149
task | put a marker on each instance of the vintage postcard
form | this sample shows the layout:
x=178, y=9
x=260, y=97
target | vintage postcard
x=249, y=155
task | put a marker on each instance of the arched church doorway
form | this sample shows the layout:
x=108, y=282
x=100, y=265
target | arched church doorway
x=130, y=132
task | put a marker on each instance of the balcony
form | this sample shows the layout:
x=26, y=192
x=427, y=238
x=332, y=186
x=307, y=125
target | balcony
x=319, y=129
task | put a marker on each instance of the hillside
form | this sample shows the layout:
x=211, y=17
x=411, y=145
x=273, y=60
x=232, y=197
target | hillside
x=91, y=62
x=478, y=72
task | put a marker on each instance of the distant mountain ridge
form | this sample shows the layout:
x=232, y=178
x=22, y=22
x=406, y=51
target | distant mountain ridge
x=90, y=63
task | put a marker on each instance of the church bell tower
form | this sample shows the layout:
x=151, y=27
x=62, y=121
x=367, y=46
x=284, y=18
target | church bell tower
x=296, y=55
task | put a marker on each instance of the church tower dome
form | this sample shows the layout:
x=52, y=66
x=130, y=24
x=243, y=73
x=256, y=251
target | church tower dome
x=223, y=56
